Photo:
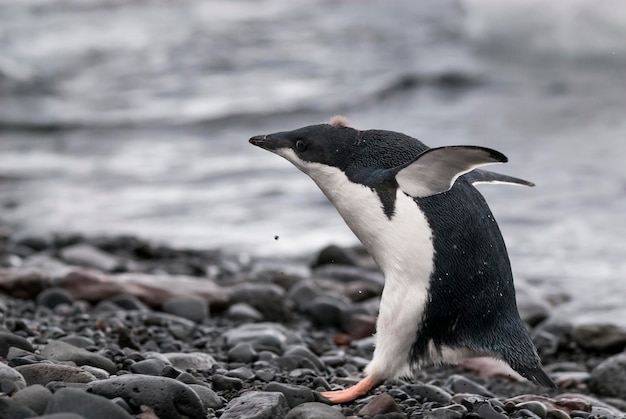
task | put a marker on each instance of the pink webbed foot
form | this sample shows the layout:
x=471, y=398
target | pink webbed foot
x=352, y=393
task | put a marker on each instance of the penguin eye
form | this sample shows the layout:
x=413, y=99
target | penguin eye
x=301, y=145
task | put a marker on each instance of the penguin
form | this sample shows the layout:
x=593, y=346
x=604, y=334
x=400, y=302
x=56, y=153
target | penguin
x=448, y=293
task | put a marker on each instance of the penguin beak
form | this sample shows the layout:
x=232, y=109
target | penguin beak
x=268, y=142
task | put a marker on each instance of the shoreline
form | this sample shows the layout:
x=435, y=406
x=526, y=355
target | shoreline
x=219, y=333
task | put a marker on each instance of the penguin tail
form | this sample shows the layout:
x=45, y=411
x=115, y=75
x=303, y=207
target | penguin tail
x=537, y=375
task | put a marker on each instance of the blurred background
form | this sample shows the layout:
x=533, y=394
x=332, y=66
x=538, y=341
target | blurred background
x=132, y=117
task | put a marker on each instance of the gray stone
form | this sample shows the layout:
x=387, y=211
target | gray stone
x=326, y=310
x=60, y=416
x=8, y=340
x=209, y=398
x=537, y=408
x=461, y=384
x=242, y=352
x=83, y=254
x=78, y=341
x=486, y=411
x=198, y=361
x=269, y=299
x=52, y=297
x=60, y=351
x=600, y=337
x=345, y=273
x=192, y=308
x=427, y=392
x=314, y=410
x=243, y=373
x=303, y=293
x=257, y=405
x=243, y=311
x=148, y=367
x=262, y=336
x=223, y=383
x=294, y=394
x=35, y=397
x=10, y=374
x=44, y=373
x=10, y=408
x=379, y=405
x=129, y=303
x=336, y=255
x=167, y=397
x=90, y=406
x=608, y=379
x=453, y=411
x=300, y=353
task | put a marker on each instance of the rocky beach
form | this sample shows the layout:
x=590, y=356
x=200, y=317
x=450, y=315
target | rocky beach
x=120, y=327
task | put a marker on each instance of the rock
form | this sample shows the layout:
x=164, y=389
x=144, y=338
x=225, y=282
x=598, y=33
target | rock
x=486, y=411
x=193, y=308
x=10, y=408
x=129, y=303
x=243, y=373
x=243, y=311
x=167, y=397
x=335, y=255
x=10, y=374
x=294, y=394
x=326, y=310
x=427, y=393
x=303, y=293
x=257, y=405
x=54, y=296
x=314, y=410
x=209, y=398
x=35, y=397
x=267, y=298
x=78, y=341
x=461, y=384
x=262, y=336
x=83, y=254
x=60, y=351
x=44, y=373
x=90, y=406
x=8, y=340
x=60, y=416
x=148, y=367
x=454, y=411
x=242, y=352
x=379, y=405
x=224, y=383
x=536, y=407
x=608, y=379
x=198, y=361
x=361, y=325
x=349, y=273
x=300, y=353
x=600, y=337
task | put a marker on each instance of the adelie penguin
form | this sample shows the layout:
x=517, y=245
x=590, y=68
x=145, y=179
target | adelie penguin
x=448, y=293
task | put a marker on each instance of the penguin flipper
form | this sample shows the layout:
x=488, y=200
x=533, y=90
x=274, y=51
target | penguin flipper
x=436, y=169
x=537, y=375
x=485, y=176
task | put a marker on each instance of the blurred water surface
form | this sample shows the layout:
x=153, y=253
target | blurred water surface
x=133, y=117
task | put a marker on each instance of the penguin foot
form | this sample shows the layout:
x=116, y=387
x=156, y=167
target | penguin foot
x=352, y=393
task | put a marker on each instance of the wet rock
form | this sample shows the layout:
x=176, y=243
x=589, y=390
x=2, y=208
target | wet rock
x=326, y=310
x=8, y=340
x=198, y=361
x=90, y=406
x=427, y=392
x=348, y=274
x=192, y=308
x=242, y=352
x=44, y=373
x=129, y=303
x=535, y=407
x=300, y=353
x=268, y=299
x=148, y=367
x=600, y=337
x=167, y=397
x=35, y=397
x=461, y=384
x=224, y=383
x=83, y=254
x=303, y=293
x=243, y=373
x=10, y=408
x=261, y=336
x=608, y=379
x=487, y=411
x=454, y=411
x=243, y=311
x=257, y=405
x=294, y=394
x=78, y=341
x=361, y=325
x=60, y=351
x=11, y=375
x=379, y=405
x=335, y=255
x=314, y=410
x=209, y=398
x=53, y=297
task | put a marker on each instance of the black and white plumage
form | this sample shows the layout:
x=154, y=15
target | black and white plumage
x=448, y=291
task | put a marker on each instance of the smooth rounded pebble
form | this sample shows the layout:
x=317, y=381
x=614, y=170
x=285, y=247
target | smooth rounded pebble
x=10, y=408
x=148, y=366
x=257, y=405
x=199, y=361
x=460, y=384
x=168, y=398
x=379, y=405
x=262, y=336
x=537, y=408
x=60, y=416
x=300, y=353
x=44, y=373
x=57, y=350
x=294, y=394
x=608, y=379
x=209, y=398
x=35, y=397
x=314, y=410
x=192, y=308
x=52, y=297
x=8, y=340
x=267, y=298
x=10, y=374
x=427, y=392
x=243, y=311
x=90, y=406
x=242, y=352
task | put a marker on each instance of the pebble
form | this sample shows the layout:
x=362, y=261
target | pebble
x=243, y=373
x=198, y=361
x=460, y=384
x=257, y=405
x=148, y=367
x=379, y=405
x=243, y=311
x=167, y=397
x=344, y=273
x=224, y=383
x=13, y=376
x=453, y=411
x=336, y=255
x=314, y=410
x=83, y=254
x=303, y=293
x=301, y=353
x=53, y=297
x=294, y=394
x=262, y=336
x=600, y=337
x=57, y=350
x=608, y=379
x=192, y=308
x=90, y=406
x=427, y=392
x=35, y=397
x=486, y=411
x=11, y=409
x=44, y=373
x=326, y=310
x=242, y=352
x=268, y=299
x=209, y=398
x=8, y=340
x=537, y=408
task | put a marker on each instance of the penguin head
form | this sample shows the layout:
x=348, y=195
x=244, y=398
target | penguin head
x=333, y=144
